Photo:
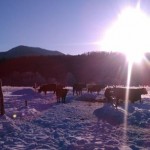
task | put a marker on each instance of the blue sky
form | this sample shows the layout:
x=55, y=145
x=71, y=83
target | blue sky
x=69, y=26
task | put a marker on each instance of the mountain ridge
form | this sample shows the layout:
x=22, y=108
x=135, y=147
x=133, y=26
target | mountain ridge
x=22, y=50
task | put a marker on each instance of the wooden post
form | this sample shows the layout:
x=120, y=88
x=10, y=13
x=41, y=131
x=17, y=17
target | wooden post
x=2, y=110
x=26, y=103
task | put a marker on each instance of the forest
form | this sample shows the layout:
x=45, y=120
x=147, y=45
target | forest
x=110, y=68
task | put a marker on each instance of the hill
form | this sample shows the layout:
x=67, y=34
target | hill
x=21, y=50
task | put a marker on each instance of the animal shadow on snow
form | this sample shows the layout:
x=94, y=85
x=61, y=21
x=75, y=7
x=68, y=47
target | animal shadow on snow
x=109, y=114
x=27, y=94
x=36, y=100
x=89, y=98
x=69, y=99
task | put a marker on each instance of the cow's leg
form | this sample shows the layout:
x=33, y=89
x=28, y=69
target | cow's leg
x=74, y=91
x=117, y=102
x=140, y=99
x=63, y=100
x=80, y=93
x=58, y=99
x=77, y=92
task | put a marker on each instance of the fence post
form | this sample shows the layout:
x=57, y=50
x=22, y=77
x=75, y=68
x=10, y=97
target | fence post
x=26, y=103
x=2, y=110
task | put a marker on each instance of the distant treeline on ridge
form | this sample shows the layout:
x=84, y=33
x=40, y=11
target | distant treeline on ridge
x=96, y=67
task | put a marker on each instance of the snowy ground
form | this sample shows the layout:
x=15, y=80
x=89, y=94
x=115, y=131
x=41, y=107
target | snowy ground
x=82, y=123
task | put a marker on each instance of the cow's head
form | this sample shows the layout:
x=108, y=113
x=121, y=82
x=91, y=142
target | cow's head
x=143, y=91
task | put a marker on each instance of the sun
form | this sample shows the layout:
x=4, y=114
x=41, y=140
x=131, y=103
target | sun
x=134, y=56
x=129, y=34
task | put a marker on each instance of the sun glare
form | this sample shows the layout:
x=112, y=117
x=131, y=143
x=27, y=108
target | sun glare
x=129, y=34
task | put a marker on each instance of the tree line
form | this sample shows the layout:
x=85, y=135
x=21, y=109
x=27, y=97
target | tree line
x=109, y=68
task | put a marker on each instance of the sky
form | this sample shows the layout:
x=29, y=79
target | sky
x=69, y=26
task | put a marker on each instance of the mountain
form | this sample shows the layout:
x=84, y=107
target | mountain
x=21, y=50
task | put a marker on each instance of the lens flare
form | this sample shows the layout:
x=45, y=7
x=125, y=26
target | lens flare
x=14, y=116
x=126, y=102
x=129, y=34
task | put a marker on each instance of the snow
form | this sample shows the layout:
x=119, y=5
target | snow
x=84, y=122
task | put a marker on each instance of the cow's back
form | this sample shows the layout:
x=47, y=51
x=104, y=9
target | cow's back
x=132, y=94
x=47, y=87
x=95, y=88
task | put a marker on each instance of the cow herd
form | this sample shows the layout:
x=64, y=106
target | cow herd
x=91, y=88
x=112, y=94
x=61, y=91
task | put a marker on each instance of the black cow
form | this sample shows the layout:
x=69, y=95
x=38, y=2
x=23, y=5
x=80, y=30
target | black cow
x=61, y=94
x=47, y=87
x=134, y=94
x=77, y=88
x=95, y=88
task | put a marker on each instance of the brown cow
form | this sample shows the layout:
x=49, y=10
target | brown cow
x=47, y=87
x=77, y=88
x=134, y=94
x=61, y=94
x=95, y=88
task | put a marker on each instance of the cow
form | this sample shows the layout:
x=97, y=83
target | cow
x=61, y=94
x=95, y=88
x=134, y=94
x=77, y=88
x=47, y=87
